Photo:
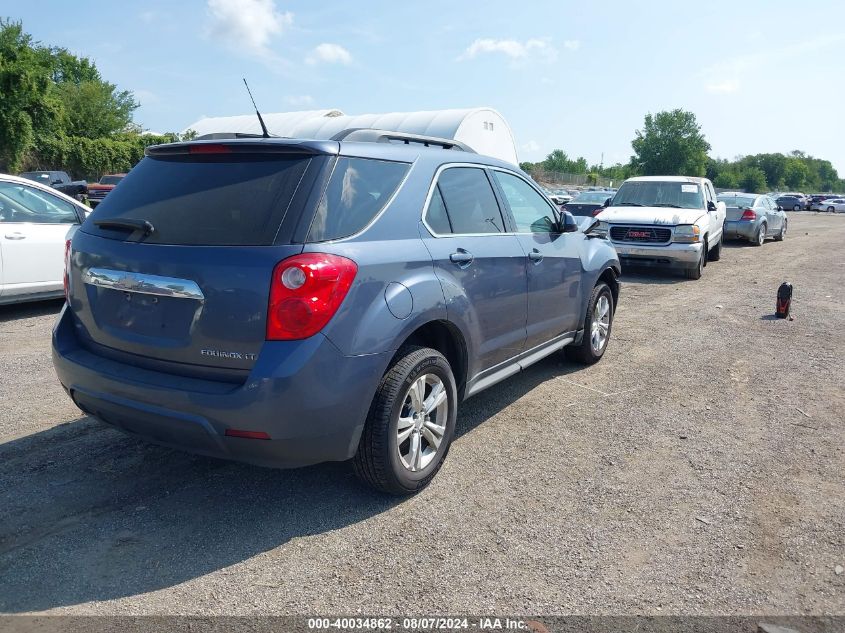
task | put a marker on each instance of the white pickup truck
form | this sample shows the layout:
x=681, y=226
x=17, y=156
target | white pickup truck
x=665, y=221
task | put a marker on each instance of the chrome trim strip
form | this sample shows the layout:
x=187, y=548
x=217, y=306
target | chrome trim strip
x=141, y=283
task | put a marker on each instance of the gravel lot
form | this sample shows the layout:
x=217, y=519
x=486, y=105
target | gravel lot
x=699, y=468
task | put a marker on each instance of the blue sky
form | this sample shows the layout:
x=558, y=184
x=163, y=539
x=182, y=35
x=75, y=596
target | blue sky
x=760, y=76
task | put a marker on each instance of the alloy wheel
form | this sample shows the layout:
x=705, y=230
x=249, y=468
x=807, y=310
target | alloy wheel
x=600, y=327
x=422, y=422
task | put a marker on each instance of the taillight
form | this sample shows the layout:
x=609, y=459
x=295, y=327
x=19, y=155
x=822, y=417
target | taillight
x=748, y=214
x=66, y=278
x=305, y=292
x=597, y=211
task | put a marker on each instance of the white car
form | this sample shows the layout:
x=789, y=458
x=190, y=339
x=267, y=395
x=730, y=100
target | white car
x=36, y=221
x=673, y=221
x=832, y=205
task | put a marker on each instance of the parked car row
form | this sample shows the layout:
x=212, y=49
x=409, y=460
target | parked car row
x=802, y=202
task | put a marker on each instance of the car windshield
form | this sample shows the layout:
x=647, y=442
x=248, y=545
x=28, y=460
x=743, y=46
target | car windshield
x=658, y=193
x=592, y=197
x=738, y=201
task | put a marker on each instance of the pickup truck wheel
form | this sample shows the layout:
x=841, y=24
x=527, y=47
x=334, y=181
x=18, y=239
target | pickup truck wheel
x=410, y=424
x=597, y=325
x=715, y=253
x=696, y=271
x=761, y=235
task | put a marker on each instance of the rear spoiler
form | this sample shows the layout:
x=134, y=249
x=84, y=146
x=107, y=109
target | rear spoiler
x=243, y=146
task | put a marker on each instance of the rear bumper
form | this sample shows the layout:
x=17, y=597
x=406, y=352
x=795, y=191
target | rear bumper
x=672, y=255
x=741, y=229
x=308, y=397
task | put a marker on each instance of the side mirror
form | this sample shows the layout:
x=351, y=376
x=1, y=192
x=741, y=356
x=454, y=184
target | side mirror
x=607, y=203
x=780, y=208
x=567, y=223
x=711, y=206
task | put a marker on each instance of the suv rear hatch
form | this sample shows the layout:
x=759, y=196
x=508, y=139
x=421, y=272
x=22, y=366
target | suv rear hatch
x=172, y=270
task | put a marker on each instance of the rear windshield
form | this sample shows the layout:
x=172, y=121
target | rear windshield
x=592, y=197
x=215, y=200
x=655, y=193
x=738, y=201
x=358, y=189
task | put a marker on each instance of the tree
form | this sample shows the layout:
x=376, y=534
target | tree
x=95, y=108
x=27, y=105
x=48, y=94
x=670, y=143
x=726, y=180
x=753, y=180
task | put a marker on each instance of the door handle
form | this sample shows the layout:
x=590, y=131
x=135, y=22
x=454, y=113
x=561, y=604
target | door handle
x=461, y=257
x=15, y=236
x=535, y=256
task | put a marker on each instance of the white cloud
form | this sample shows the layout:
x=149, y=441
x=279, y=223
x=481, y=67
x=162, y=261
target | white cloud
x=146, y=97
x=329, y=54
x=248, y=25
x=572, y=45
x=531, y=146
x=299, y=100
x=723, y=87
x=514, y=49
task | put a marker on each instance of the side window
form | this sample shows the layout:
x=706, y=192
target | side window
x=530, y=210
x=358, y=189
x=708, y=193
x=469, y=202
x=20, y=203
x=436, y=215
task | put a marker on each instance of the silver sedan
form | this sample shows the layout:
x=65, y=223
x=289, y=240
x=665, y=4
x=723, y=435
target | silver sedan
x=753, y=217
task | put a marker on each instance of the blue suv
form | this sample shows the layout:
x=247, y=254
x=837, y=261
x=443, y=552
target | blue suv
x=286, y=302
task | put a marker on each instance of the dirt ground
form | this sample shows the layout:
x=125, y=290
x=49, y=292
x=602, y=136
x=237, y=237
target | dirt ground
x=698, y=469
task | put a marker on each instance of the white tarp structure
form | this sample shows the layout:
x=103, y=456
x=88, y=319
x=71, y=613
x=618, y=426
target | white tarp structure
x=483, y=129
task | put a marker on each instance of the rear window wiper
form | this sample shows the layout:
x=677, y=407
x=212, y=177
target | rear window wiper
x=128, y=224
x=627, y=204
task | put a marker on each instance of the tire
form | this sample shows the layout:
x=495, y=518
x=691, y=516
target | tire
x=696, y=271
x=831, y=210
x=586, y=352
x=797, y=207
x=715, y=253
x=779, y=237
x=379, y=461
x=761, y=235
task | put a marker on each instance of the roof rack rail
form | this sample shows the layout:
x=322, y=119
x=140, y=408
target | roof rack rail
x=372, y=135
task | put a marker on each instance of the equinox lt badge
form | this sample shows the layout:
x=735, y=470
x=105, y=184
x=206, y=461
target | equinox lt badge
x=221, y=354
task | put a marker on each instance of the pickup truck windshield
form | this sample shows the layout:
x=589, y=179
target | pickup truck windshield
x=654, y=193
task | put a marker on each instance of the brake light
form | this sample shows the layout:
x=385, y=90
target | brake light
x=748, y=214
x=66, y=278
x=209, y=148
x=305, y=293
x=597, y=211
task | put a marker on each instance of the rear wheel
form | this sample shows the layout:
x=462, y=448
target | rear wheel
x=410, y=424
x=797, y=207
x=761, y=235
x=779, y=237
x=597, y=325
